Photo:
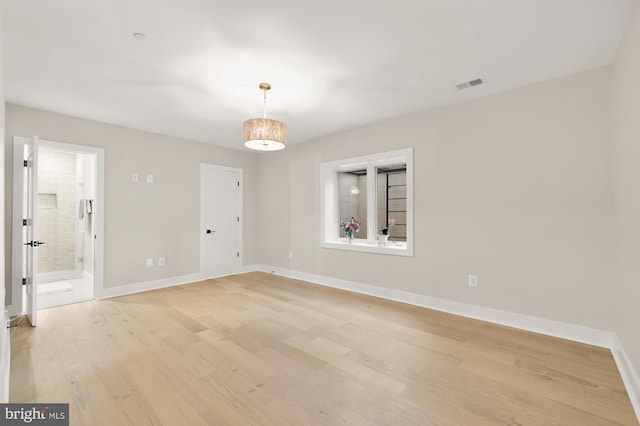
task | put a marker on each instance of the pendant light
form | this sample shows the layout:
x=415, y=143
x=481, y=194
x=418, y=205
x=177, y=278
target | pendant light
x=265, y=134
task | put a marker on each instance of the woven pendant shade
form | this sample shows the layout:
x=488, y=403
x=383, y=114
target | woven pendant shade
x=264, y=134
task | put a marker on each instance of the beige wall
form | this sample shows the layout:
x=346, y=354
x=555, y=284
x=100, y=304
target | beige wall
x=515, y=188
x=626, y=143
x=142, y=220
x=524, y=189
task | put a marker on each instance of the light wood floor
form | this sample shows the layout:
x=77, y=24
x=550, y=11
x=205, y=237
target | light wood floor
x=258, y=349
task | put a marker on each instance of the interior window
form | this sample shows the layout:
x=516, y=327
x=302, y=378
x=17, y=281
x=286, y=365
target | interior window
x=376, y=191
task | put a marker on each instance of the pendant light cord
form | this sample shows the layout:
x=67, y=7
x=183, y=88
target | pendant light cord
x=265, y=102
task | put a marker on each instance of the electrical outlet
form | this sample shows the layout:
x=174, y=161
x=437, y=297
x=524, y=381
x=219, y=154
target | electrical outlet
x=134, y=177
x=161, y=261
x=473, y=280
x=149, y=178
x=149, y=263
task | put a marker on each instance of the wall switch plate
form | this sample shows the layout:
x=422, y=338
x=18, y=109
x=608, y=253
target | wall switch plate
x=161, y=261
x=149, y=263
x=134, y=177
x=473, y=280
x=149, y=178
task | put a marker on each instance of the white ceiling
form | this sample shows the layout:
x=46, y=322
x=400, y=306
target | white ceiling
x=333, y=65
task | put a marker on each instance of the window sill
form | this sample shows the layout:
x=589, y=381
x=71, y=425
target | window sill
x=392, y=248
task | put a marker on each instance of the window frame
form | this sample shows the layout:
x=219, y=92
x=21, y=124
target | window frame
x=330, y=203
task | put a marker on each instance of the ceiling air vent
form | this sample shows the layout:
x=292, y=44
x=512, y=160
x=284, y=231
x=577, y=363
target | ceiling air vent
x=471, y=83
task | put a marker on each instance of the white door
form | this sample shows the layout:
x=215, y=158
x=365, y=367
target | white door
x=25, y=240
x=30, y=230
x=220, y=220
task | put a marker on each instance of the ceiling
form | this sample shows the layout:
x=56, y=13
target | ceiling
x=333, y=65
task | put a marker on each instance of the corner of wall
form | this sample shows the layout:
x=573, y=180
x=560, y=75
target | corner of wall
x=628, y=373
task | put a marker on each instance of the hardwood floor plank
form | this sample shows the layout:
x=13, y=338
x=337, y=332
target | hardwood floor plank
x=259, y=349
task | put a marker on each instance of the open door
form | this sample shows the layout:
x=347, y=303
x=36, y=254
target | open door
x=28, y=158
x=25, y=213
x=30, y=240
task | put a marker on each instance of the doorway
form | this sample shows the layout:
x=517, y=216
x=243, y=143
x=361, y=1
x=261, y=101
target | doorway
x=56, y=222
x=220, y=220
x=66, y=196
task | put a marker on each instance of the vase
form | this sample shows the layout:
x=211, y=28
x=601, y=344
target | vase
x=349, y=238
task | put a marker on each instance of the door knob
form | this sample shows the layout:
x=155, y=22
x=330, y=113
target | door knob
x=209, y=231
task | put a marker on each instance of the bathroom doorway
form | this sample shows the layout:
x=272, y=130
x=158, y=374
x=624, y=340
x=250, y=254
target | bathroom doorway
x=66, y=198
x=57, y=221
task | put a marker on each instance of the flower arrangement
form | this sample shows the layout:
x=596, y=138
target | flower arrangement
x=350, y=227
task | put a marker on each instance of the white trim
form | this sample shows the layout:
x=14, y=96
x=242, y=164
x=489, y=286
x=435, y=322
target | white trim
x=393, y=248
x=124, y=290
x=330, y=210
x=140, y=287
x=559, y=329
x=628, y=373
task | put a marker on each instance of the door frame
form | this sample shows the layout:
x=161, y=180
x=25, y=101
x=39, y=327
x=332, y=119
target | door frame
x=202, y=229
x=17, y=300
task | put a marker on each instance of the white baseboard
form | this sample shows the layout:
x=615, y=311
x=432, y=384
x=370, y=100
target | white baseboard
x=577, y=333
x=628, y=373
x=562, y=330
x=124, y=290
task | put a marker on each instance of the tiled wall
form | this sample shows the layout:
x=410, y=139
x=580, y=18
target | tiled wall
x=353, y=204
x=57, y=211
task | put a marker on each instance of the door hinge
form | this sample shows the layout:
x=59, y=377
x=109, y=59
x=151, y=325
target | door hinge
x=237, y=254
x=24, y=222
x=26, y=163
x=238, y=183
x=24, y=281
x=238, y=219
